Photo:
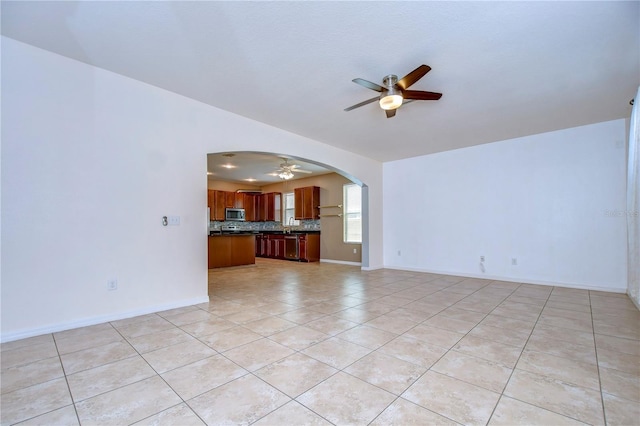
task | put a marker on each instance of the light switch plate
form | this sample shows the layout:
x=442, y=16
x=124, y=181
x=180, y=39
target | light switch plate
x=174, y=220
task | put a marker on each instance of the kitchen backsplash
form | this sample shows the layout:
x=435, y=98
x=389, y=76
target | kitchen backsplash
x=307, y=225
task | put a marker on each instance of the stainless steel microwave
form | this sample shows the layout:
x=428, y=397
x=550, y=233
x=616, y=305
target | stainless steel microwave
x=234, y=214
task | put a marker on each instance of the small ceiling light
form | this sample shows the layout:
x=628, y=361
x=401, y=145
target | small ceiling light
x=250, y=180
x=392, y=97
x=286, y=174
x=390, y=102
x=228, y=166
x=209, y=173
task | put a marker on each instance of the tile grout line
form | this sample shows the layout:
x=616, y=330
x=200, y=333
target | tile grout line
x=447, y=351
x=157, y=374
x=543, y=408
x=520, y=356
x=465, y=335
x=64, y=372
x=451, y=348
x=595, y=349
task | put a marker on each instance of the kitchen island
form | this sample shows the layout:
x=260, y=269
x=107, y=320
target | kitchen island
x=232, y=249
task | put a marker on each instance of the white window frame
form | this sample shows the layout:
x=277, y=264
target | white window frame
x=350, y=211
x=291, y=210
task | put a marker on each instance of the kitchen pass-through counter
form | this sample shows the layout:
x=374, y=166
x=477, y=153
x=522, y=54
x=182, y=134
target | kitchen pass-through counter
x=241, y=247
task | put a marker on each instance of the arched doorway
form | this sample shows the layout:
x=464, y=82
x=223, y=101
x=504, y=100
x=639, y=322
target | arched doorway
x=224, y=166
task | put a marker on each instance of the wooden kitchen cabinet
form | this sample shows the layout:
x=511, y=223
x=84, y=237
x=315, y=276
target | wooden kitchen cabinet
x=231, y=250
x=220, y=204
x=262, y=245
x=309, y=247
x=216, y=202
x=238, y=200
x=249, y=203
x=211, y=202
x=268, y=206
x=230, y=199
x=307, y=201
x=257, y=208
x=276, y=246
x=270, y=245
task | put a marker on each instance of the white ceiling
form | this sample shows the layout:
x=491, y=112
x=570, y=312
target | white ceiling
x=256, y=169
x=506, y=69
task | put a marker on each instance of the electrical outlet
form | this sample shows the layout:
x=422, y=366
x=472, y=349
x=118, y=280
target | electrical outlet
x=514, y=261
x=112, y=284
x=355, y=250
x=174, y=220
x=481, y=258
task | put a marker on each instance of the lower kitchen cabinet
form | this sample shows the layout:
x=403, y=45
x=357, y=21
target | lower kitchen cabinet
x=231, y=250
x=262, y=245
x=309, y=247
x=274, y=246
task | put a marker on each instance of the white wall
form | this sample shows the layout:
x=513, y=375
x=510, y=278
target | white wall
x=542, y=199
x=91, y=161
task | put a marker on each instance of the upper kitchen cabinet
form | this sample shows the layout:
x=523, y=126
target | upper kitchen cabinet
x=234, y=200
x=220, y=205
x=216, y=201
x=268, y=207
x=249, y=205
x=211, y=202
x=307, y=201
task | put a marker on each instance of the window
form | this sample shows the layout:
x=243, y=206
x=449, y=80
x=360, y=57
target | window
x=352, y=204
x=289, y=210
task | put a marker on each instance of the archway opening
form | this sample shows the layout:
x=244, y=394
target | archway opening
x=334, y=251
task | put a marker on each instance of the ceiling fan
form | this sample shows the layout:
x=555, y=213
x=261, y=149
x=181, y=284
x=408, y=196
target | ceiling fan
x=286, y=170
x=393, y=92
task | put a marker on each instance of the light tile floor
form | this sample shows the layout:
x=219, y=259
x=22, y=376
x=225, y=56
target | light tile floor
x=285, y=343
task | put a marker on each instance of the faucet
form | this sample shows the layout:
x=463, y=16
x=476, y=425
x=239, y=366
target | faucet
x=287, y=228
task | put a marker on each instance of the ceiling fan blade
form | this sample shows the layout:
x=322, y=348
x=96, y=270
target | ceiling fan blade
x=390, y=112
x=415, y=75
x=368, y=84
x=420, y=95
x=368, y=101
x=300, y=171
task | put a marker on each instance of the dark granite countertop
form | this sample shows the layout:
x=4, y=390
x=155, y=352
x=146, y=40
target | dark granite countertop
x=231, y=234
x=293, y=232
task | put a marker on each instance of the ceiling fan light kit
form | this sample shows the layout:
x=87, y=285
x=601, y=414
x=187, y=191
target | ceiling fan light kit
x=392, y=97
x=285, y=175
x=394, y=92
x=286, y=170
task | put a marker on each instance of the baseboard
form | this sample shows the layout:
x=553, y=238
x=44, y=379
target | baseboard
x=635, y=302
x=340, y=262
x=510, y=279
x=84, y=322
x=371, y=268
